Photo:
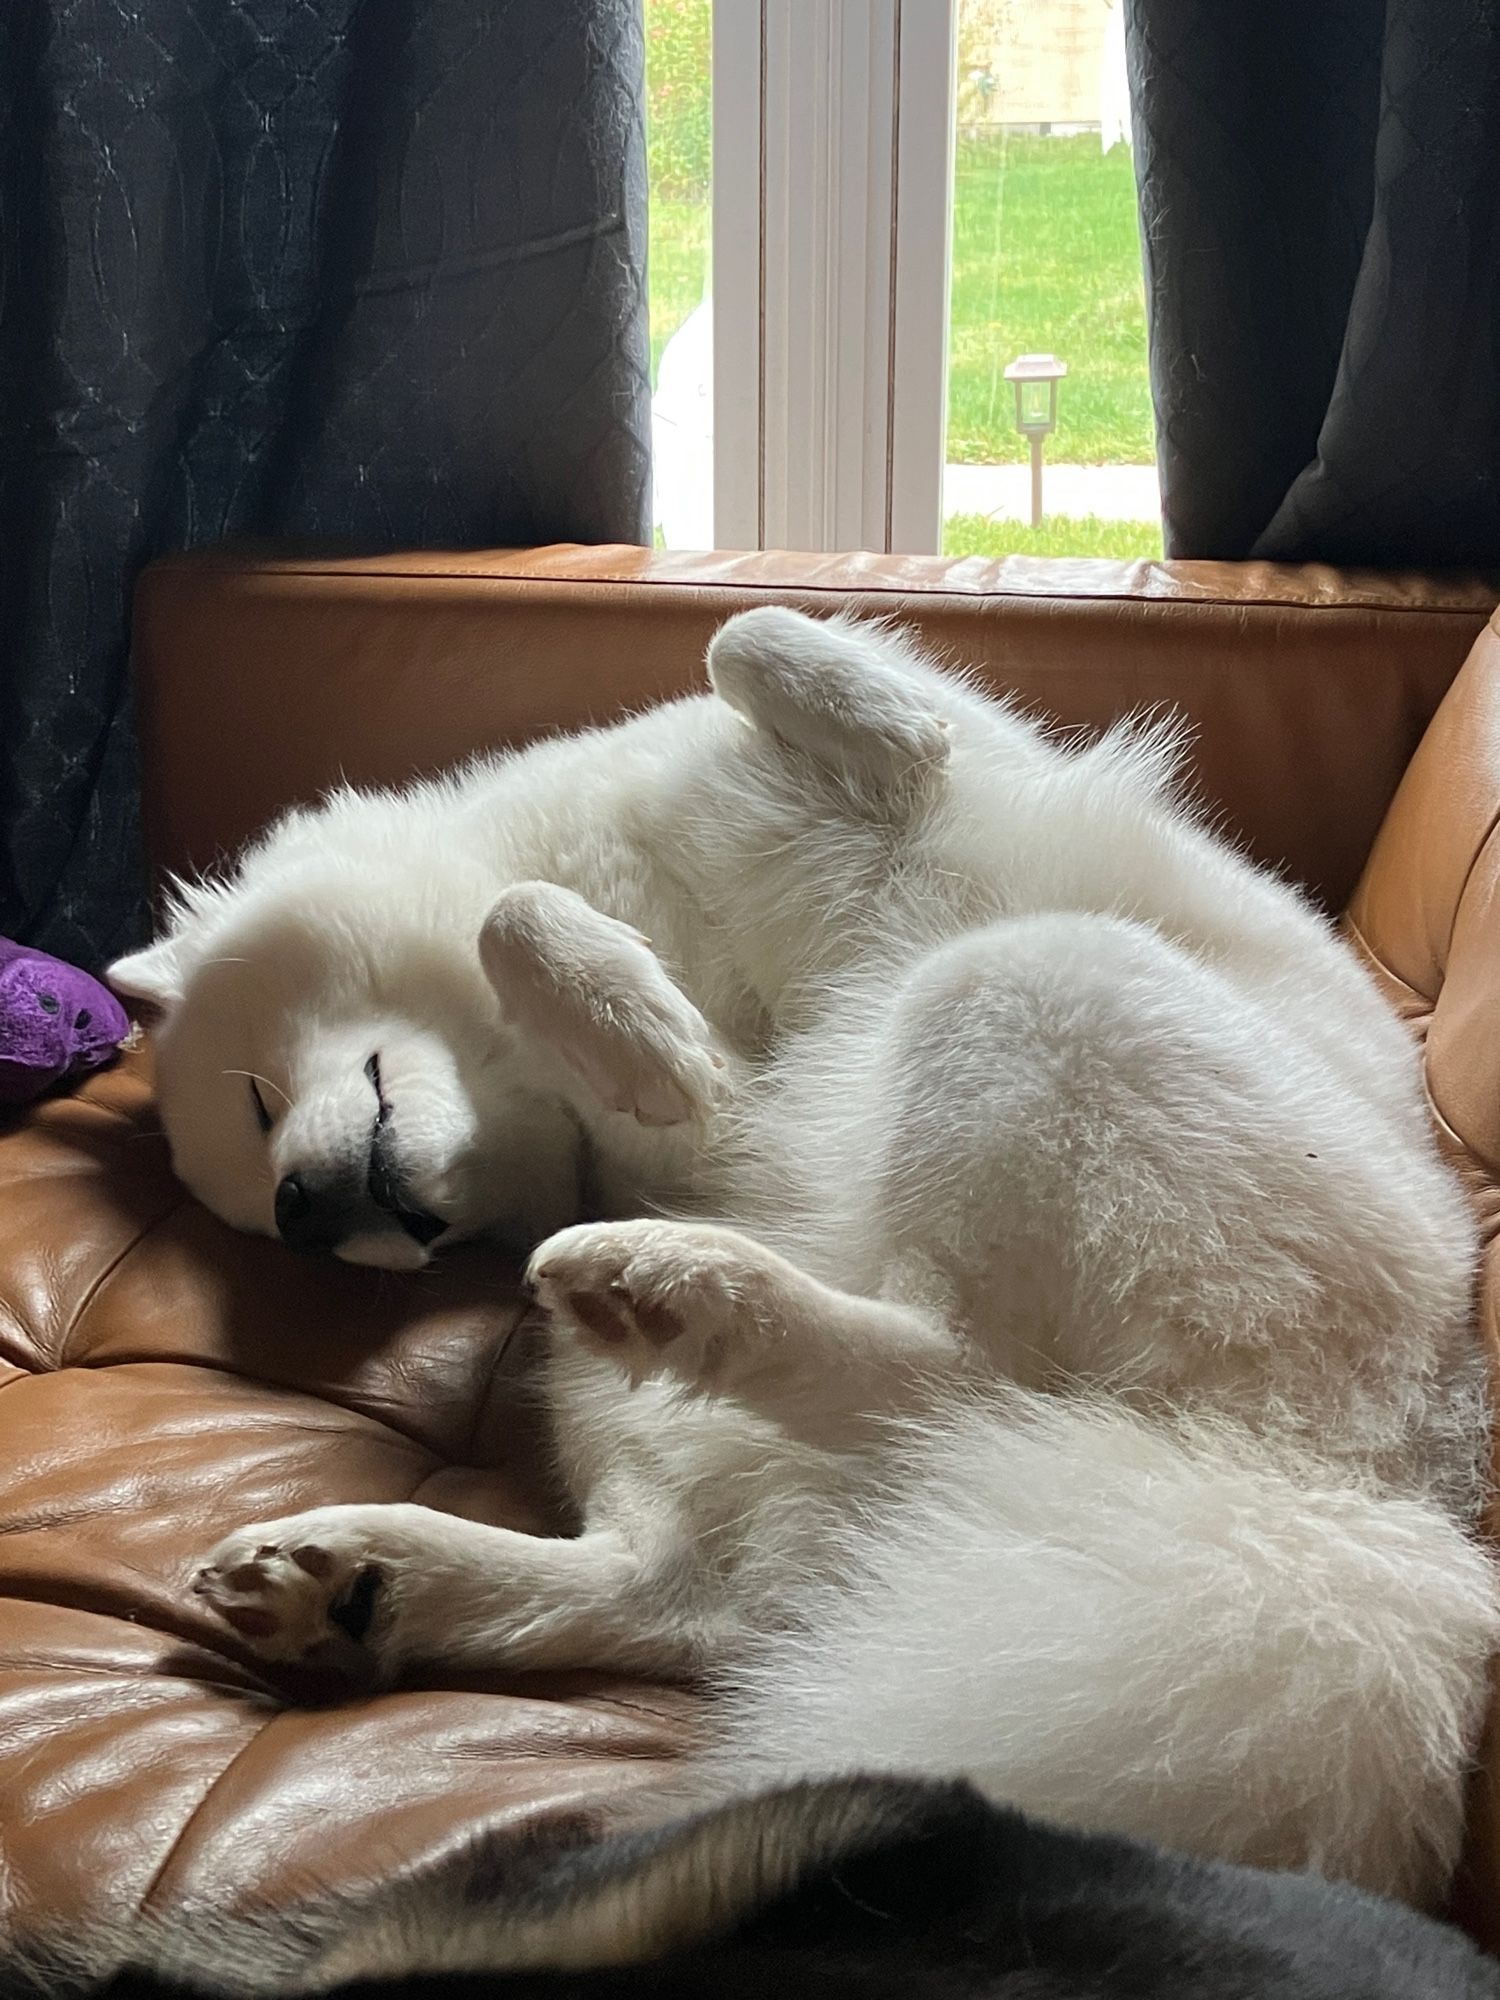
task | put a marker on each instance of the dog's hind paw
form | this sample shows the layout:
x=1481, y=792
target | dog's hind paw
x=835, y=692
x=305, y=1589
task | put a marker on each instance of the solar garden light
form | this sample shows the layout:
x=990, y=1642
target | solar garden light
x=1036, y=377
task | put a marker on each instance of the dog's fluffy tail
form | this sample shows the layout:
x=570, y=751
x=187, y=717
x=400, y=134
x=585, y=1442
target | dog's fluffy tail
x=1167, y=1632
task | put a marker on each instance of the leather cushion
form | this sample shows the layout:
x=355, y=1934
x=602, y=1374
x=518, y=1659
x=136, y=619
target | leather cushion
x=163, y=1380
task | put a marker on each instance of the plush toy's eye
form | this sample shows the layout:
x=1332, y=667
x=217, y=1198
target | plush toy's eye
x=263, y=1117
x=48, y=1001
x=83, y=1019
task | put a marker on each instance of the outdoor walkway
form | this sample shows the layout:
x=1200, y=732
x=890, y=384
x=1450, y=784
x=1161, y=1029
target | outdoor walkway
x=1003, y=492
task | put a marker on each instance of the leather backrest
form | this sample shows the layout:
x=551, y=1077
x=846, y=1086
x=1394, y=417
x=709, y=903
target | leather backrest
x=261, y=681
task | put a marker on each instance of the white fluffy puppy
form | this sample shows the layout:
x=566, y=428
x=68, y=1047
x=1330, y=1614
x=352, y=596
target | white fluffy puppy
x=1070, y=1366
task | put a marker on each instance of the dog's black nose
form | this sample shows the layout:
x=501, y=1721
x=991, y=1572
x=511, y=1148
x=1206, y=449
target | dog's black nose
x=309, y=1218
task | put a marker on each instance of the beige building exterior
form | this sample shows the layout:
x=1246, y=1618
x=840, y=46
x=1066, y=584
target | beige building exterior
x=1036, y=62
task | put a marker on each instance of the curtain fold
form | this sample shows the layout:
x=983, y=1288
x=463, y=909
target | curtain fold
x=370, y=270
x=1320, y=222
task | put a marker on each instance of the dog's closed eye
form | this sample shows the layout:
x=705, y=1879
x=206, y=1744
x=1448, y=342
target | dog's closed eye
x=263, y=1117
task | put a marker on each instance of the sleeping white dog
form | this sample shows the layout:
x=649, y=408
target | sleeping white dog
x=1065, y=1376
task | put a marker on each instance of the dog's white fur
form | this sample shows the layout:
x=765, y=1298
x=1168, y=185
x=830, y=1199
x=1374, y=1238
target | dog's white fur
x=1068, y=1379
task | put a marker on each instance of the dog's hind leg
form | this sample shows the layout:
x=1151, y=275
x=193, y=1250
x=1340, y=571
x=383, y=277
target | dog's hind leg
x=843, y=694
x=718, y=1311
x=593, y=990
x=366, y=1590
x=1103, y=1164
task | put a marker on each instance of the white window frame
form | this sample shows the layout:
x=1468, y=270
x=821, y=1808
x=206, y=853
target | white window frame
x=832, y=225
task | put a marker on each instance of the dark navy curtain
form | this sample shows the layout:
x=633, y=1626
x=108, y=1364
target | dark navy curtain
x=1320, y=217
x=365, y=269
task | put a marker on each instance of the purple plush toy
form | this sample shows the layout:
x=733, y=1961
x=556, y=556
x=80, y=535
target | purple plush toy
x=55, y=1022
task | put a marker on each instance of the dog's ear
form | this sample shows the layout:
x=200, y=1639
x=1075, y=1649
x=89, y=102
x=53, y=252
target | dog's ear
x=154, y=975
x=158, y=973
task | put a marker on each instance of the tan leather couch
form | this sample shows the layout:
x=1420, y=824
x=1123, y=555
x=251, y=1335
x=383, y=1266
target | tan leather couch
x=162, y=1379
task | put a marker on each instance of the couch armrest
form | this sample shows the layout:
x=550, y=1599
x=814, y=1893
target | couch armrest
x=263, y=677
x=1426, y=916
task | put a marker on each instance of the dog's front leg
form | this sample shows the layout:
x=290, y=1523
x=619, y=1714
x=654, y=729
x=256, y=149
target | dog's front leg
x=592, y=989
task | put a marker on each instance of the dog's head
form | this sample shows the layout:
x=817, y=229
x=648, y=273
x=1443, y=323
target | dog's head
x=333, y=1068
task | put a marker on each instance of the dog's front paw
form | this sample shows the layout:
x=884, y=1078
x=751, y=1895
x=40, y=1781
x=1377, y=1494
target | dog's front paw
x=686, y=1297
x=310, y=1588
x=593, y=989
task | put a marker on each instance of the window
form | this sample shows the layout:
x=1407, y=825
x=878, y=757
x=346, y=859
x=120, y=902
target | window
x=679, y=154
x=1046, y=260
x=903, y=199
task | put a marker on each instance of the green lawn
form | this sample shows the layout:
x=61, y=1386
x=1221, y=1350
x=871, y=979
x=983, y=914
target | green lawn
x=1046, y=258
x=1059, y=535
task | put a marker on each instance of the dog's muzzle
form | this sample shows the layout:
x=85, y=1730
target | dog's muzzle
x=317, y=1209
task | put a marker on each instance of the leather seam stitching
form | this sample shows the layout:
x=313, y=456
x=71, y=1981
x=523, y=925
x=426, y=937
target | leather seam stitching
x=1428, y=999
x=149, y=1892
x=1435, y=1110
x=90, y=1297
x=1450, y=1131
x=868, y=587
x=210, y=1366
x=1474, y=860
x=482, y=1400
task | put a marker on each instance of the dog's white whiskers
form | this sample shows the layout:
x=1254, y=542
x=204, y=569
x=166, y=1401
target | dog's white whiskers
x=254, y=1076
